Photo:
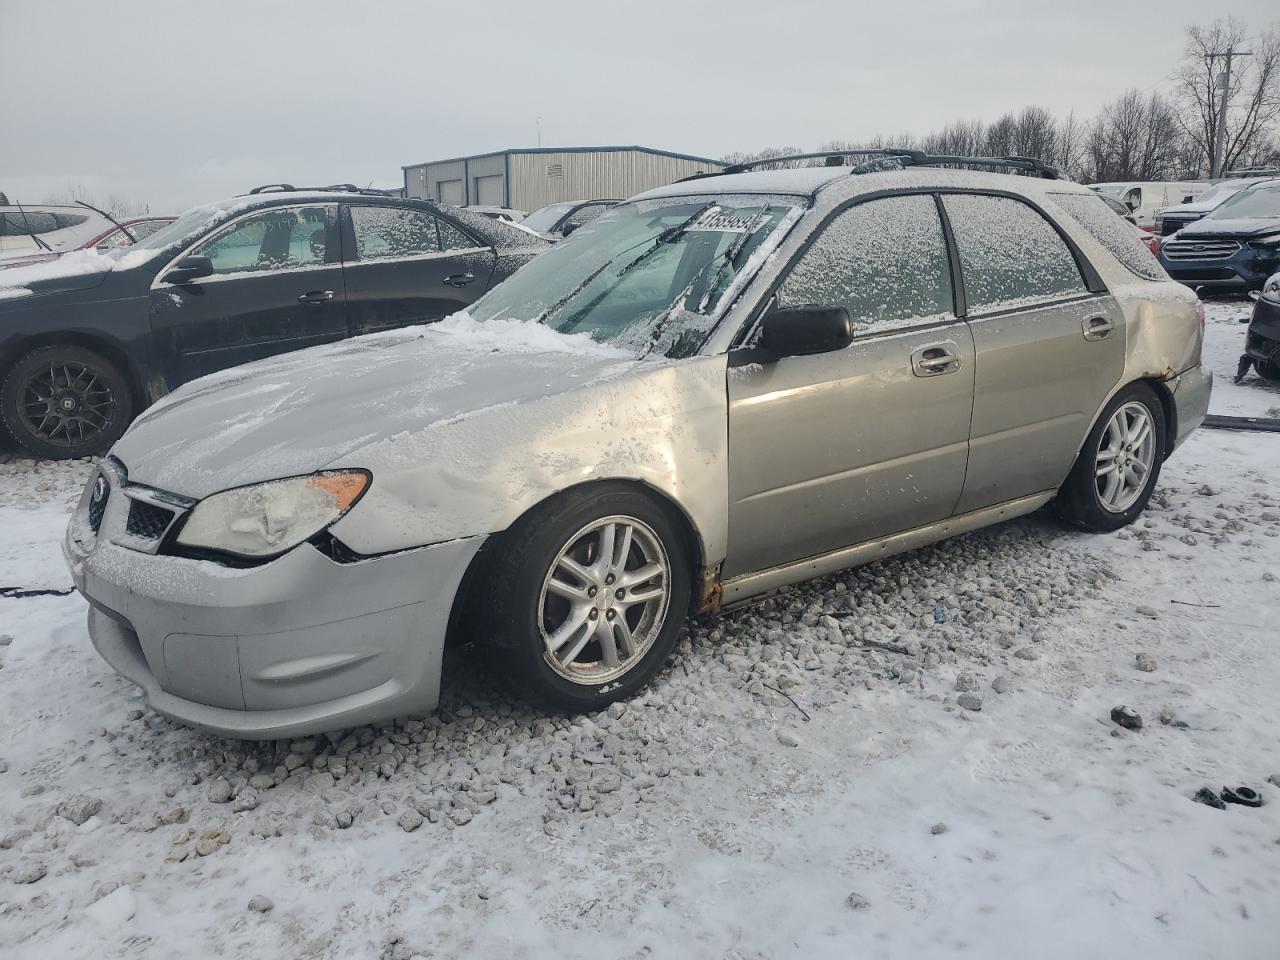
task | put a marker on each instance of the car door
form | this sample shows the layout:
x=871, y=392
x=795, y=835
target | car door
x=408, y=265
x=1050, y=346
x=835, y=449
x=276, y=286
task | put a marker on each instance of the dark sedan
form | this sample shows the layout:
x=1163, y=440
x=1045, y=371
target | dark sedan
x=89, y=340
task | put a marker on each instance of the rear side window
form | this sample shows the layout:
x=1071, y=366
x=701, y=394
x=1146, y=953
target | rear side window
x=1010, y=255
x=393, y=232
x=885, y=261
x=451, y=238
x=1115, y=233
x=23, y=225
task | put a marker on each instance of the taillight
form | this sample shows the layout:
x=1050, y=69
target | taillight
x=1153, y=244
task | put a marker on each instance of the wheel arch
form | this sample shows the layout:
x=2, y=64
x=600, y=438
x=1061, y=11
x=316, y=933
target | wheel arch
x=705, y=590
x=110, y=348
x=1165, y=396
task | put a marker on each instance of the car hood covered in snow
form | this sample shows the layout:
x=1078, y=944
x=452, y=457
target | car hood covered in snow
x=1246, y=227
x=78, y=270
x=297, y=413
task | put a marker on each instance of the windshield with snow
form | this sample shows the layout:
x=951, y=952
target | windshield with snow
x=1260, y=201
x=652, y=275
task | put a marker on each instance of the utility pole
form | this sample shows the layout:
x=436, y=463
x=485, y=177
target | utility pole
x=1220, y=139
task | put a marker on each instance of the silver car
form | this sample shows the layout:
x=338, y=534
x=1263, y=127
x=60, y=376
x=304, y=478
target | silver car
x=710, y=392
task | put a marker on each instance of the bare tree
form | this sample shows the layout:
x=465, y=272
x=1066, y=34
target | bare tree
x=1070, y=154
x=115, y=204
x=1135, y=137
x=1253, y=95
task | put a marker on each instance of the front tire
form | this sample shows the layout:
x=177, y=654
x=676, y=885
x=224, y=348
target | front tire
x=65, y=401
x=583, y=599
x=1118, y=466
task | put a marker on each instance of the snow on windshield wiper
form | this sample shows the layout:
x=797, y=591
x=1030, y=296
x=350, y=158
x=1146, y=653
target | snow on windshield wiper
x=730, y=258
x=666, y=236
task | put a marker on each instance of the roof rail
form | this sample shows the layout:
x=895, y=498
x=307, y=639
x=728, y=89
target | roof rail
x=911, y=158
x=290, y=188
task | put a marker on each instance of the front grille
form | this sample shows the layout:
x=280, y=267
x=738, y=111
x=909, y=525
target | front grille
x=1171, y=224
x=147, y=521
x=1200, y=249
x=98, y=501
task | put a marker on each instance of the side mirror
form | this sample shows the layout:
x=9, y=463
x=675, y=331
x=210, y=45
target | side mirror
x=188, y=269
x=805, y=330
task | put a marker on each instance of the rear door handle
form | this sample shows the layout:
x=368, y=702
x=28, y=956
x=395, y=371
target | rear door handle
x=316, y=296
x=935, y=360
x=1097, y=328
x=459, y=279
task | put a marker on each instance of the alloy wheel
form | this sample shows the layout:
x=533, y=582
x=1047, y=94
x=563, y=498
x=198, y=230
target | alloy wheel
x=1126, y=454
x=66, y=404
x=604, y=600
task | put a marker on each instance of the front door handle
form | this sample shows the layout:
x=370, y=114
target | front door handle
x=316, y=296
x=1097, y=328
x=935, y=360
x=459, y=279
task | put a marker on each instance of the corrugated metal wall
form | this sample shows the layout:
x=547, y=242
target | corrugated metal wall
x=591, y=176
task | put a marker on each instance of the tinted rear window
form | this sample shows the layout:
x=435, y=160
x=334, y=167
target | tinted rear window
x=1115, y=233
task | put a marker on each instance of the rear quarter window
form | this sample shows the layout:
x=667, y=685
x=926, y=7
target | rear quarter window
x=1112, y=231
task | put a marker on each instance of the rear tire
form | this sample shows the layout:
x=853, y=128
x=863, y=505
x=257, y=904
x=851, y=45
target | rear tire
x=65, y=401
x=567, y=619
x=1119, y=464
x=1268, y=370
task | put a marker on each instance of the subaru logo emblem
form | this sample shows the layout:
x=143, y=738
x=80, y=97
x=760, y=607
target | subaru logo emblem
x=100, y=489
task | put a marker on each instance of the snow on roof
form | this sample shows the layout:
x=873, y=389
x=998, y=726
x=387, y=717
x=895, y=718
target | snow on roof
x=841, y=182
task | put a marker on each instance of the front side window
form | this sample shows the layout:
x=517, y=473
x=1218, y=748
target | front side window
x=1133, y=199
x=275, y=239
x=653, y=275
x=383, y=232
x=885, y=261
x=1010, y=255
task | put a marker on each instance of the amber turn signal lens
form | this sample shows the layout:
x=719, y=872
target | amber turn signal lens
x=345, y=486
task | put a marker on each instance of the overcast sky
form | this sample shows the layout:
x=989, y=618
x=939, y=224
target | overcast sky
x=178, y=102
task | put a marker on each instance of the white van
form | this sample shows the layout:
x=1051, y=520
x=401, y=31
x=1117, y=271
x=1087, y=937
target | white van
x=1146, y=199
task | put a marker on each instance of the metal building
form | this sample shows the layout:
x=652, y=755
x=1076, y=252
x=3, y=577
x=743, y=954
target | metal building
x=529, y=178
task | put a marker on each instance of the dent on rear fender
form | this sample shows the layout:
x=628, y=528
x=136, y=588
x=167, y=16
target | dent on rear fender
x=663, y=424
x=1163, y=336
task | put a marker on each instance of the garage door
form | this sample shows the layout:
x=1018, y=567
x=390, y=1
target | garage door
x=449, y=191
x=488, y=191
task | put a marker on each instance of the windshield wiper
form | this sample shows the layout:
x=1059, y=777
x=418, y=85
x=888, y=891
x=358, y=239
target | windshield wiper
x=728, y=258
x=666, y=236
x=731, y=256
x=127, y=232
x=34, y=236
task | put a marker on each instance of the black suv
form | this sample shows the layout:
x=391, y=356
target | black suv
x=88, y=341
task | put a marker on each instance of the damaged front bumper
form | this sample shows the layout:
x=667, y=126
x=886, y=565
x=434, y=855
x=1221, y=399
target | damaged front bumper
x=298, y=645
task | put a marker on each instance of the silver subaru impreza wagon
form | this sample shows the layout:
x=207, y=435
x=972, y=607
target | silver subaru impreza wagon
x=712, y=391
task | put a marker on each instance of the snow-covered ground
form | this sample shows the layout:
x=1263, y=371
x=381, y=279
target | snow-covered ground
x=783, y=790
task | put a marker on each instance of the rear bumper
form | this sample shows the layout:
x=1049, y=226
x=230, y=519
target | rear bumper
x=1191, y=391
x=299, y=645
